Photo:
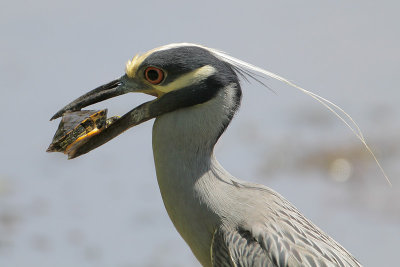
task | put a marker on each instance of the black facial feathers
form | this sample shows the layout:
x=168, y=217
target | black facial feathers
x=180, y=60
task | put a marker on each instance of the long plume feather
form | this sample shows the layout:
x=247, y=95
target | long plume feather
x=245, y=68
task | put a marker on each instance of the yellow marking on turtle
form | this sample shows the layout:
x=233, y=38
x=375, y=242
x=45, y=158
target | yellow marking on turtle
x=88, y=135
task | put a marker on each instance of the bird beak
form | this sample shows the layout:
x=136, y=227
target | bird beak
x=114, y=88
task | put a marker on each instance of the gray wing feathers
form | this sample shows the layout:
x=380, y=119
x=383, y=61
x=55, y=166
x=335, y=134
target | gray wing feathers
x=220, y=254
x=237, y=248
x=303, y=243
x=278, y=235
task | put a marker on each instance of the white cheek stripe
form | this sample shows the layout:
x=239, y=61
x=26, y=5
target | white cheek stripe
x=193, y=77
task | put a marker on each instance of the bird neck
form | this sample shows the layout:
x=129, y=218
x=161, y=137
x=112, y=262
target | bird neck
x=184, y=140
x=188, y=175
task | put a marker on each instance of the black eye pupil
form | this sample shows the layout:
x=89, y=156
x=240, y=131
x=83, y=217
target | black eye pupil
x=152, y=75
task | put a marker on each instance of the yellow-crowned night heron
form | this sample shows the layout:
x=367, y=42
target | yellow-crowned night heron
x=225, y=221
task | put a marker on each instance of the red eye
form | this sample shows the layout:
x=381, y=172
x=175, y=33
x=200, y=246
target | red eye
x=154, y=75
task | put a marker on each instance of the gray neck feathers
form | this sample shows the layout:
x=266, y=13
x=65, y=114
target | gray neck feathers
x=185, y=139
x=189, y=177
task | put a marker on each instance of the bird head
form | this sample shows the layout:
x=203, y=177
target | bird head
x=178, y=75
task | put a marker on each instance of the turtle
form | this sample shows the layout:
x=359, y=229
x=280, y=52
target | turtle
x=78, y=126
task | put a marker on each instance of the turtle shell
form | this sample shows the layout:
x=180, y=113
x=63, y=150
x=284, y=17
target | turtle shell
x=77, y=126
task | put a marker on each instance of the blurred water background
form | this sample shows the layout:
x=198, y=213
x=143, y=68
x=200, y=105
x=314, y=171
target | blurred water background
x=104, y=208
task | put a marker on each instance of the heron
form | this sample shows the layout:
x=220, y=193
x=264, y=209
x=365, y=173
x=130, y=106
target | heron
x=225, y=221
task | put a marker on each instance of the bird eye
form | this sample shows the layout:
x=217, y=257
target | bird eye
x=154, y=75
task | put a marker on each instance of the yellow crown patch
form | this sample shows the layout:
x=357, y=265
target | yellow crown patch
x=131, y=66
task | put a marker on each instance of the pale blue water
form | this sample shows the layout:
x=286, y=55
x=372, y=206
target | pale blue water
x=104, y=209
